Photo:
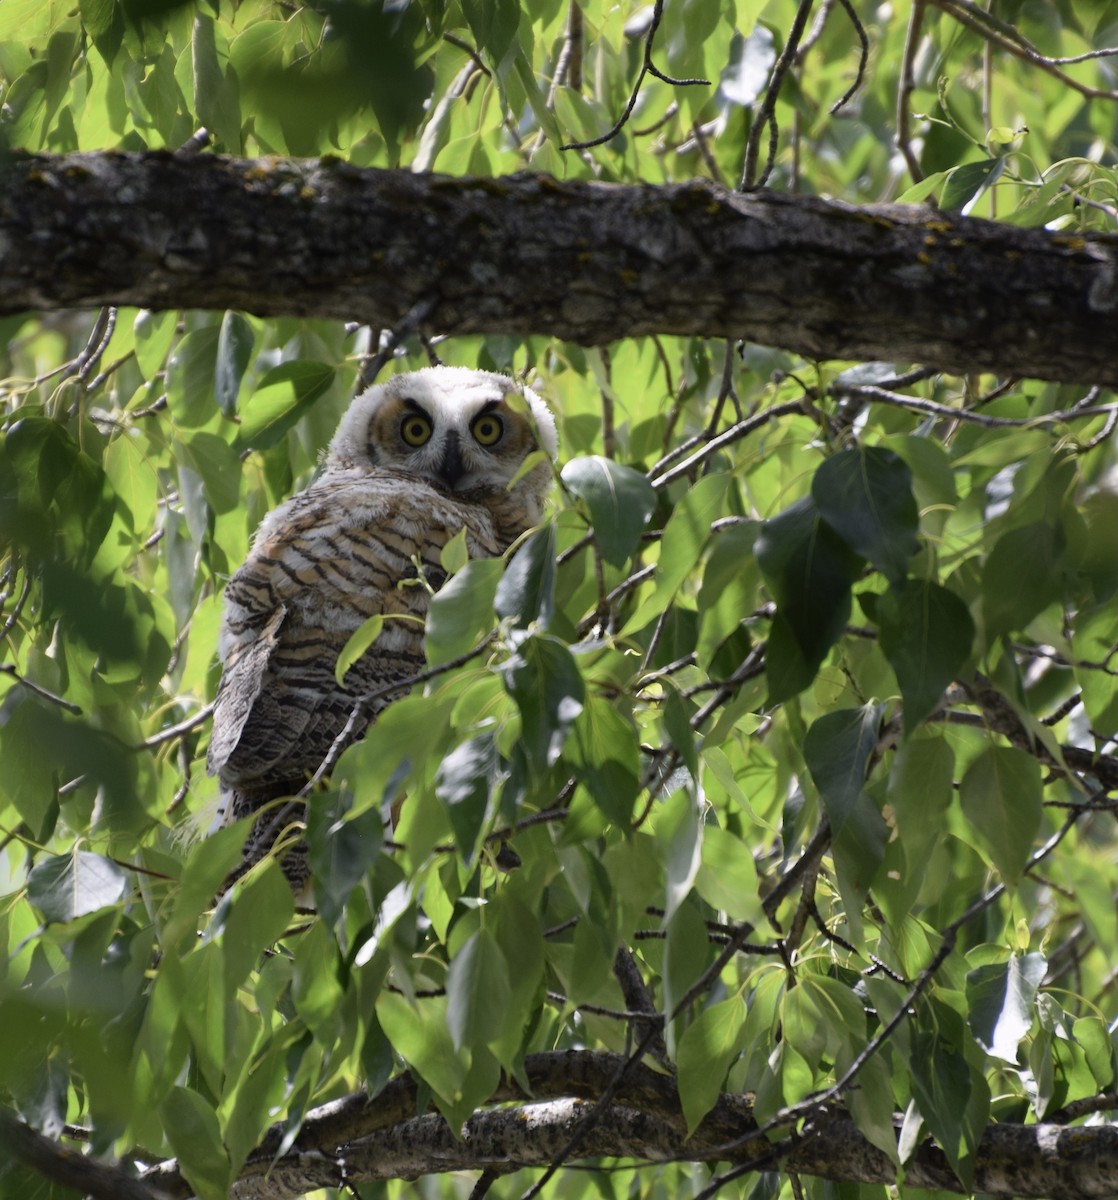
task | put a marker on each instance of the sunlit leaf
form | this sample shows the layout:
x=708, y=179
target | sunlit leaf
x=69, y=886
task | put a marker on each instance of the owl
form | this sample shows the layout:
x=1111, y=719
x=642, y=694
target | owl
x=413, y=462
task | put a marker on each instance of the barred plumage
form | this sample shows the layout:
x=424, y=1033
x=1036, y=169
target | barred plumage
x=413, y=462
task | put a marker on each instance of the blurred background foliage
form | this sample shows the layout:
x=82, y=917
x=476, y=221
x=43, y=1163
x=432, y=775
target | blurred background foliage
x=752, y=649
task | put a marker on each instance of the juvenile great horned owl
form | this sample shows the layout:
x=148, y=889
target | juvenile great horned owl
x=413, y=461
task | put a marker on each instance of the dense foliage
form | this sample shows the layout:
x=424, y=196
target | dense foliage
x=804, y=693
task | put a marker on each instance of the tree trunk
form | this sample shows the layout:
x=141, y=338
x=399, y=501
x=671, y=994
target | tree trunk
x=529, y=254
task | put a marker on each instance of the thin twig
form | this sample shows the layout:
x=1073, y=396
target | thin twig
x=766, y=112
x=647, y=68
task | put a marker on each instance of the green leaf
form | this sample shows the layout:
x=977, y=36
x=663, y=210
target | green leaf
x=526, y=591
x=727, y=878
x=1001, y=796
x=865, y=496
x=153, y=333
x=234, y=349
x=493, y=24
x=542, y=677
x=952, y=1097
x=1001, y=1000
x=356, y=644
x=927, y=635
x=420, y=1032
x=217, y=464
x=461, y=612
x=261, y=909
x=966, y=183
x=603, y=752
x=103, y=20
x=68, y=886
x=620, y=501
x=195, y=1137
x=190, y=377
x=680, y=836
x=465, y=783
x=709, y=1044
x=284, y=394
x=809, y=570
x=837, y=749
x=477, y=989
x=685, y=536
x=1022, y=577
x=341, y=848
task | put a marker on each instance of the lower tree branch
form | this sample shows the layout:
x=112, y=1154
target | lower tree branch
x=359, y=1139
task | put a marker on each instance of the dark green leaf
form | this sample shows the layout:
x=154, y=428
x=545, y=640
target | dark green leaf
x=341, y=848
x=69, y=886
x=809, y=570
x=493, y=24
x=195, y=1137
x=234, y=349
x=620, y=501
x=603, y=752
x=1001, y=796
x=837, y=749
x=527, y=588
x=1021, y=578
x=543, y=678
x=865, y=496
x=1001, y=999
x=969, y=181
x=927, y=635
x=465, y=783
x=261, y=909
x=952, y=1097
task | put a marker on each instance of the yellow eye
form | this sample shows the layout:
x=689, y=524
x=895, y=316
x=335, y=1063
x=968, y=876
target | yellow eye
x=487, y=429
x=415, y=429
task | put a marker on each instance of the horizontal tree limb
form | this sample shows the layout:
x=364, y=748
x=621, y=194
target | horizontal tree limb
x=529, y=254
x=361, y=1139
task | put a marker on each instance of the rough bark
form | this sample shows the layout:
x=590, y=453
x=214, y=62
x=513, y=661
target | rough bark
x=359, y=1139
x=529, y=254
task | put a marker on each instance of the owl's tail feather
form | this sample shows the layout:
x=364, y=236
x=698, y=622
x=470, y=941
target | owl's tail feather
x=278, y=826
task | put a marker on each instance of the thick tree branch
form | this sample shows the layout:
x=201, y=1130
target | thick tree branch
x=358, y=1139
x=529, y=254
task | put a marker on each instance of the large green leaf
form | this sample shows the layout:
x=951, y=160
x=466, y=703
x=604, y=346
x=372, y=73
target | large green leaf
x=809, y=570
x=526, y=591
x=234, y=349
x=542, y=677
x=74, y=885
x=619, y=499
x=865, y=496
x=708, y=1046
x=927, y=635
x=1001, y=796
x=461, y=612
x=465, y=783
x=280, y=399
x=837, y=749
x=477, y=989
x=1002, y=1002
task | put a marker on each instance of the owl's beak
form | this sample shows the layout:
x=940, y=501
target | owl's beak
x=450, y=465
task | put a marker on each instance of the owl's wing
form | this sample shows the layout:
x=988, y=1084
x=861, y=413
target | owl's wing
x=242, y=679
x=320, y=566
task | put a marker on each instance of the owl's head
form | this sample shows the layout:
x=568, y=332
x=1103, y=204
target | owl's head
x=453, y=427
